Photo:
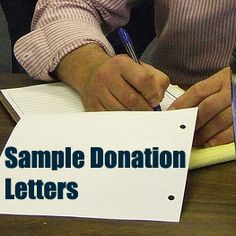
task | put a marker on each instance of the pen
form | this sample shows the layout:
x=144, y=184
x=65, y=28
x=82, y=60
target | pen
x=129, y=47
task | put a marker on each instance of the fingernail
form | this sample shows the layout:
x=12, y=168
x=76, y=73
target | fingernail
x=154, y=102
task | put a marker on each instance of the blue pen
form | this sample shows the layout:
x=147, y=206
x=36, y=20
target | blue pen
x=129, y=47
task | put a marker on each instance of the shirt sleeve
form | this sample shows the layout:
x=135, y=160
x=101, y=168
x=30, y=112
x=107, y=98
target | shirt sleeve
x=60, y=26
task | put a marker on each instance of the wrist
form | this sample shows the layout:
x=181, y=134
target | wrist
x=78, y=66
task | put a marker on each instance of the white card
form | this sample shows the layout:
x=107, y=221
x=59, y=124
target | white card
x=111, y=193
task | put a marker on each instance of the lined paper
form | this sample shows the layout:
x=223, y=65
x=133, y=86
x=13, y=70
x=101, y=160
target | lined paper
x=45, y=98
x=171, y=94
x=59, y=97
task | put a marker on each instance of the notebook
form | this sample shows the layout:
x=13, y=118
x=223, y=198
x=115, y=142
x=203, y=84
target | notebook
x=60, y=98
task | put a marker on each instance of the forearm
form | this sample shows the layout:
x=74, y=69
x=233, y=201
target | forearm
x=59, y=27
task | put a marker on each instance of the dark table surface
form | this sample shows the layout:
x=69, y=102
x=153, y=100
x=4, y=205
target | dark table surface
x=209, y=205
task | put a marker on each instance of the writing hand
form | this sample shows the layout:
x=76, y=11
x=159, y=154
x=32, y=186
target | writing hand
x=112, y=83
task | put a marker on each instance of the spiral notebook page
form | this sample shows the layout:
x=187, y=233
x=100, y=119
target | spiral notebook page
x=58, y=97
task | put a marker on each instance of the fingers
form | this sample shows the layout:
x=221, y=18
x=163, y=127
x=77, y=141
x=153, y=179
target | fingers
x=105, y=102
x=128, y=96
x=224, y=137
x=93, y=105
x=148, y=81
x=121, y=84
x=211, y=106
x=110, y=102
x=213, y=98
x=117, y=96
x=200, y=91
x=216, y=125
x=160, y=80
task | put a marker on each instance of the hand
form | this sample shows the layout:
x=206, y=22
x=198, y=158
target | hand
x=112, y=83
x=213, y=98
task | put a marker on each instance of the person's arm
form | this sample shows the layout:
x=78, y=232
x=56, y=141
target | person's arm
x=59, y=27
x=72, y=31
x=213, y=98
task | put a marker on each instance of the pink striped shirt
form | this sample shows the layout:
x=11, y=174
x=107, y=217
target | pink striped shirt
x=194, y=38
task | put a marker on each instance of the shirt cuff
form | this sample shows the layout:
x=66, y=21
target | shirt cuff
x=40, y=51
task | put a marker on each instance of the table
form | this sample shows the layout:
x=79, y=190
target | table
x=209, y=205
